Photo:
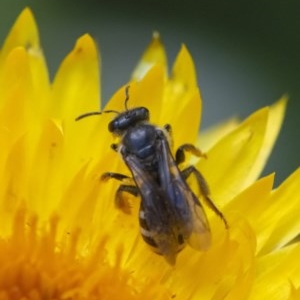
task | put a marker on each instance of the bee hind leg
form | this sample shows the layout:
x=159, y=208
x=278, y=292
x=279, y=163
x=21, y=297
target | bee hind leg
x=122, y=202
x=204, y=189
x=180, y=153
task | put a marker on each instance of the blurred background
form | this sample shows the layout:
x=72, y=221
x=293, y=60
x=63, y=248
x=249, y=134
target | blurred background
x=247, y=53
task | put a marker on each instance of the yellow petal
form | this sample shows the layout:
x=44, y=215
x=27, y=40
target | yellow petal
x=275, y=119
x=183, y=77
x=280, y=224
x=147, y=92
x=154, y=55
x=229, y=162
x=16, y=90
x=76, y=91
x=76, y=84
x=183, y=99
x=242, y=286
x=15, y=180
x=209, y=137
x=252, y=201
x=295, y=293
x=228, y=261
x=275, y=272
x=185, y=127
x=47, y=174
x=23, y=33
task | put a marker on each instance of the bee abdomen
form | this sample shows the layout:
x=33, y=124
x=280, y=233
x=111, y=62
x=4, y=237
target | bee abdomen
x=147, y=236
x=146, y=232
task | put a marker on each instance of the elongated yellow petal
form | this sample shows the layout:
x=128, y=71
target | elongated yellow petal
x=182, y=97
x=295, y=293
x=76, y=85
x=230, y=161
x=280, y=223
x=47, y=174
x=23, y=33
x=154, y=55
x=15, y=172
x=147, y=92
x=275, y=272
x=212, y=135
x=247, y=202
x=16, y=87
x=76, y=91
x=275, y=120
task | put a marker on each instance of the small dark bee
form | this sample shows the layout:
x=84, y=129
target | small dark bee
x=170, y=214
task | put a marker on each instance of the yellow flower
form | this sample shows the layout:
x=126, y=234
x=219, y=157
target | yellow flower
x=62, y=237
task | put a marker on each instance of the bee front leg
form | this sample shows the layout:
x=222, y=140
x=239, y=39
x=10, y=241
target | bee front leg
x=180, y=153
x=204, y=189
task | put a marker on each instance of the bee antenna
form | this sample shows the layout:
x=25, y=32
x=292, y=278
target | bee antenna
x=126, y=96
x=94, y=113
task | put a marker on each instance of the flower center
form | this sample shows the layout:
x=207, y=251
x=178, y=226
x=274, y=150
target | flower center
x=35, y=265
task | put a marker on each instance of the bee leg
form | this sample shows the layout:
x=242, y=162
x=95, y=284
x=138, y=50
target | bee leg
x=180, y=153
x=115, y=147
x=168, y=129
x=120, y=201
x=123, y=203
x=117, y=176
x=204, y=189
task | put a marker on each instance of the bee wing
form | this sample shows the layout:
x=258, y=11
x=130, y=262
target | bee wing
x=187, y=207
x=200, y=237
x=158, y=220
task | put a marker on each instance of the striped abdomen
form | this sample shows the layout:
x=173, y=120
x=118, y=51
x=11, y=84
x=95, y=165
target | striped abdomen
x=161, y=239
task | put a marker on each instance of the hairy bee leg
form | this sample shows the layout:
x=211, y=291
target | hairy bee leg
x=168, y=129
x=117, y=176
x=115, y=147
x=204, y=190
x=180, y=153
x=121, y=202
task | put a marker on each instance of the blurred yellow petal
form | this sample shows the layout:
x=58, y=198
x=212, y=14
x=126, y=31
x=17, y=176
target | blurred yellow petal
x=154, y=55
x=24, y=33
x=281, y=224
x=24, y=36
x=76, y=84
x=148, y=92
x=275, y=119
x=248, y=203
x=295, y=293
x=212, y=135
x=275, y=272
x=76, y=89
x=230, y=161
x=47, y=175
x=182, y=98
x=16, y=88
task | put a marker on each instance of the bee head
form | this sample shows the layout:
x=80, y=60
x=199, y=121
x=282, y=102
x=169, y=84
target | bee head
x=124, y=120
x=127, y=119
